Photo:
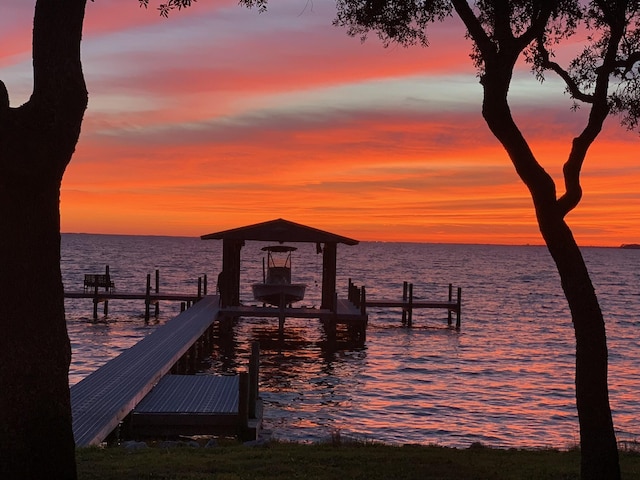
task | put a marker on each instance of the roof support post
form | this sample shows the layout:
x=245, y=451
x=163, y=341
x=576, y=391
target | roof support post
x=329, y=256
x=229, y=280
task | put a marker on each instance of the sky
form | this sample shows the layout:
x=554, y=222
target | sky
x=221, y=116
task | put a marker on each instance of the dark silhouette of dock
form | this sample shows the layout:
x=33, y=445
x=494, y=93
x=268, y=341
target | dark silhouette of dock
x=145, y=383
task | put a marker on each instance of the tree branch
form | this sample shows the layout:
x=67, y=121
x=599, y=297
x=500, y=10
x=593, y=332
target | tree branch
x=57, y=68
x=627, y=64
x=502, y=22
x=571, y=84
x=477, y=33
x=538, y=24
x=599, y=111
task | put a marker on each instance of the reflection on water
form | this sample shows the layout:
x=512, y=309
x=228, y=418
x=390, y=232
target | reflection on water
x=506, y=379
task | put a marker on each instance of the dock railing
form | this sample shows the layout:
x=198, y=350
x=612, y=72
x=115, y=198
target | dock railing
x=93, y=283
x=358, y=296
x=409, y=303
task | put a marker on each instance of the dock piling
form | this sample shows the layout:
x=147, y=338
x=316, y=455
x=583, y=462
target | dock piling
x=450, y=299
x=243, y=404
x=147, y=299
x=405, y=287
x=157, y=309
x=410, y=307
x=459, y=309
x=254, y=366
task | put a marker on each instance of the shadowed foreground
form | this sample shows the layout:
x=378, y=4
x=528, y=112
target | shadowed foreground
x=335, y=461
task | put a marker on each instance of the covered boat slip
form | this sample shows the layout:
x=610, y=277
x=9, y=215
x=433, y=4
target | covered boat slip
x=103, y=399
x=332, y=310
x=278, y=231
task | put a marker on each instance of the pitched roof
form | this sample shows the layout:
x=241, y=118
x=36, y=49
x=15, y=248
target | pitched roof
x=280, y=230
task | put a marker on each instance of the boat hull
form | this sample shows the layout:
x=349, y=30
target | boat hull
x=278, y=294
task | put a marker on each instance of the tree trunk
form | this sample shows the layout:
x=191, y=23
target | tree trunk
x=599, y=451
x=37, y=440
x=37, y=141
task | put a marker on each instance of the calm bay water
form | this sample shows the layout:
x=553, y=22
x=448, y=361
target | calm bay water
x=506, y=379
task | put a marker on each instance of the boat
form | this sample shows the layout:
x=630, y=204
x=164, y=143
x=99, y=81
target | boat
x=276, y=287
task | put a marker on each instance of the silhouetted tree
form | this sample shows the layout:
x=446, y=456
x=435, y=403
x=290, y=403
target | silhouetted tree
x=604, y=78
x=37, y=141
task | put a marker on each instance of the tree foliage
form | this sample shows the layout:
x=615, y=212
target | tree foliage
x=165, y=8
x=608, y=64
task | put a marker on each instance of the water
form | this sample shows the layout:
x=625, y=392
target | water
x=506, y=379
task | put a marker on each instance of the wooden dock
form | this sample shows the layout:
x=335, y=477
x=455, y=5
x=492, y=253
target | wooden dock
x=346, y=314
x=189, y=405
x=101, y=288
x=103, y=399
x=202, y=405
x=137, y=382
x=346, y=311
x=358, y=297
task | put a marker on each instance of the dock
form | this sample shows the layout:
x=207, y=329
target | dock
x=100, y=288
x=408, y=304
x=144, y=385
x=103, y=399
x=146, y=388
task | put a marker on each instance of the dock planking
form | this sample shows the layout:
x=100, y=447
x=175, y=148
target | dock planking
x=199, y=405
x=100, y=401
x=104, y=398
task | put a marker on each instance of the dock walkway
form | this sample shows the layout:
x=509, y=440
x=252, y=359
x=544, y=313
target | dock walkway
x=345, y=311
x=100, y=401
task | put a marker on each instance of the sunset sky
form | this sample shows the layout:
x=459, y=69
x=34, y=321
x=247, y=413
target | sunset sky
x=219, y=117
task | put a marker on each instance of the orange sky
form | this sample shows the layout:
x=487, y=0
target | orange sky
x=220, y=117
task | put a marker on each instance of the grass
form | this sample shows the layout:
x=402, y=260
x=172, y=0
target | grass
x=335, y=460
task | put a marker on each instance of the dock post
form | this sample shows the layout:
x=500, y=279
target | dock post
x=450, y=300
x=410, y=307
x=254, y=366
x=404, y=299
x=281, y=316
x=107, y=289
x=204, y=290
x=147, y=299
x=157, y=310
x=95, y=302
x=243, y=403
x=458, y=311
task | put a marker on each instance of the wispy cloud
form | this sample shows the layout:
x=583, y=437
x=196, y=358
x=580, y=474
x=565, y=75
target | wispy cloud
x=221, y=116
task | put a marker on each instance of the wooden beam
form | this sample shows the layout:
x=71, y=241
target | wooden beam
x=329, y=262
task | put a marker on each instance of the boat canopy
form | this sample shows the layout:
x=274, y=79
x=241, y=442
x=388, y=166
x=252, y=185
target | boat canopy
x=279, y=248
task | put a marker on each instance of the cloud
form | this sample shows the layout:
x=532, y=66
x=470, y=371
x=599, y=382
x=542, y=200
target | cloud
x=220, y=116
